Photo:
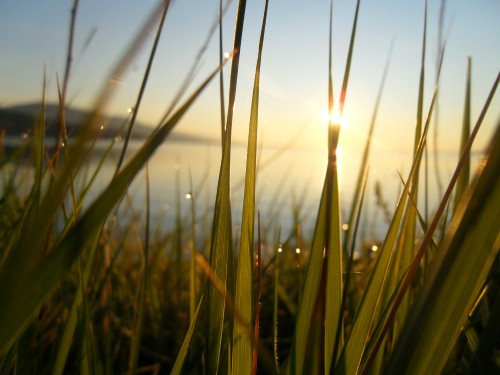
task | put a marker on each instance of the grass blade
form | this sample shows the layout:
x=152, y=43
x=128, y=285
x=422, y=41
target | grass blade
x=179, y=361
x=242, y=352
x=18, y=280
x=463, y=179
x=469, y=248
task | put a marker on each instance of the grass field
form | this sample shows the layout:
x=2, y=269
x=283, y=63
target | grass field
x=83, y=291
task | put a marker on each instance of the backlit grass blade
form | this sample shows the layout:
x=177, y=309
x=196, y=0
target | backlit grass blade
x=415, y=264
x=221, y=241
x=333, y=243
x=144, y=82
x=408, y=230
x=40, y=224
x=351, y=358
x=16, y=312
x=192, y=263
x=364, y=159
x=470, y=248
x=463, y=179
x=295, y=364
x=242, y=351
x=179, y=361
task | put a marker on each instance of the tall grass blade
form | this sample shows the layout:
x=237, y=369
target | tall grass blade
x=366, y=152
x=333, y=242
x=19, y=259
x=242, y=352
x=351, y=358
x=463, y=179
x=221, y=79
x=295, y=364
x=69, y=328
x=415, y=264
x=144, y=82
x=142, y=287
x=221, y=242
x=18, y=280
x=179, y=361
x=258, y=271
x=279, y=249
x=470, y=247
x=408, y=231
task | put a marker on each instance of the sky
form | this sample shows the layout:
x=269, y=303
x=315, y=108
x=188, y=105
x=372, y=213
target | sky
x=294, y=76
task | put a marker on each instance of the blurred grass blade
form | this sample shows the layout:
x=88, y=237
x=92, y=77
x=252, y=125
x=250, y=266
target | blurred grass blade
x=470, y=248
x=242, y=351
x=463, y=179
x=179, y=361
x=279, y=249
x=18, y=280
x=366, y=152
x=144, y=82
x=142, y=287
x=20, y=258
x=72, y=320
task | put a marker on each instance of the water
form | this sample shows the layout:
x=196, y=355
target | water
x=289, y=181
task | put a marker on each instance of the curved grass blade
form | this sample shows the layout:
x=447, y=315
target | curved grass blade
x=469, y=249
x=20, y=258
x=16, y=312
x=242, y=351
x=221, y=241
x=463, y=179
x=408, y=230
x=414, y=266
x=144, y=82
x=351, y=357
x=142, y=288
x=366, y=152
x=179, y=361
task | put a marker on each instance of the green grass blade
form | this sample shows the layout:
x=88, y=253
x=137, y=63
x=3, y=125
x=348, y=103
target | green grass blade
x=179, y=361
x=364, y=160
x=143, y=84
x=351, y=358
x=142, y=288
x=463, y=179
x=470, y=248
x=18, y=280
x=295, y=365
x=221, y=242
x=242, y=351
x=415, y=264
x=408, y=231
x=72, y=320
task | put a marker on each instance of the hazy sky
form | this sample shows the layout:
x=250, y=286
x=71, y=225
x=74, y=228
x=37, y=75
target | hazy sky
x=33, y=34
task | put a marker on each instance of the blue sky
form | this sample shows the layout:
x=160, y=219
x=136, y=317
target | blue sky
x=33, y=34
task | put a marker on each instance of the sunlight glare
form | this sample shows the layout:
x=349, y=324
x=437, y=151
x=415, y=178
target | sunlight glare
x=334, y=118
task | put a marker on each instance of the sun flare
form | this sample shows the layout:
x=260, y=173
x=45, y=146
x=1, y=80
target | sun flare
x=334, y=119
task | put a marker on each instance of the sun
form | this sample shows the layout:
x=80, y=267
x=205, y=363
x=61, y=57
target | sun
x=334, y=118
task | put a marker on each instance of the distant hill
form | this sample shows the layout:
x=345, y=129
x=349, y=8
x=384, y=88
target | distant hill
x=18, y=120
